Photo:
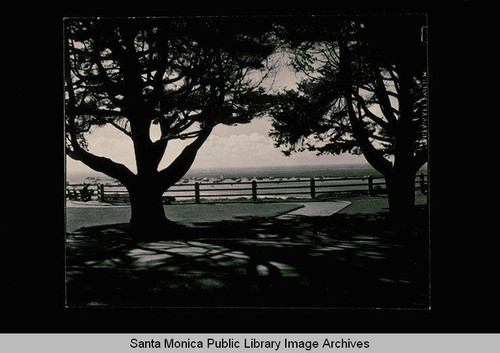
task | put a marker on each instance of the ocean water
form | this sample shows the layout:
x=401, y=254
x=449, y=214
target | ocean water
x=273, y=182
x=342, y=170
x=335, y=171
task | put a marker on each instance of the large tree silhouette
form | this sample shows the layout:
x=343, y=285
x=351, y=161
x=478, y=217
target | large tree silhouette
x=364, y=91
x=185, y=75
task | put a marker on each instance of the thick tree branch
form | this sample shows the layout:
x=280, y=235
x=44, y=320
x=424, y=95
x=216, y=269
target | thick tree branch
x=372, y=155
x=111, y=87
x=186, y=135
x=372, y=90
x=383, y=95
x=394, y=79
x=176, y=170
x=381, y=138
x=101, y=164
x=369, y=114
x=130, y=70
x=158, y=150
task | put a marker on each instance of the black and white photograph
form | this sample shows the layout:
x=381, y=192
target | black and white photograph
x=247, y=162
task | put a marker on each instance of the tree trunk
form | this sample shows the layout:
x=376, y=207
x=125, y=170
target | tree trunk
x=401, y=194
x=148, y=218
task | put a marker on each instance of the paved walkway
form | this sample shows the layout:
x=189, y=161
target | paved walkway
x=317, y=209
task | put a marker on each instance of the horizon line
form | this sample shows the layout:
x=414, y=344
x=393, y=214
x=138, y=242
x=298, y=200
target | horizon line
x=256, y=166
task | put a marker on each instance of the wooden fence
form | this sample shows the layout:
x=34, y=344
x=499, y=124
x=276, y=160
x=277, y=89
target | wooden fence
x=255, y=189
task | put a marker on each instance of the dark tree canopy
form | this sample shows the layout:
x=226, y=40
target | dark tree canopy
x=316, y=116
x=177, y=74
x=364, y=91
x=184, y=75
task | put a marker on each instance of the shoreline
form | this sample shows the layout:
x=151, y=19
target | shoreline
x=249, y=173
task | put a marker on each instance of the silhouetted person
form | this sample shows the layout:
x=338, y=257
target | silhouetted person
x=85, y=193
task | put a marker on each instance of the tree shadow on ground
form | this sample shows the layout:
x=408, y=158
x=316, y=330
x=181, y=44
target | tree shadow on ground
x=342, y=261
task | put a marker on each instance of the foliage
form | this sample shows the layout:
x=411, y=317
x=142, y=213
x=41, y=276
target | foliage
x=184, y=75
x=363, y=90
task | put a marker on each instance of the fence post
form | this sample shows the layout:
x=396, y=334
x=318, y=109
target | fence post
x=313, y=188
x=101, y=192
x=197, y=192
x=422, y=183
x=370, y=185
x=254, y=190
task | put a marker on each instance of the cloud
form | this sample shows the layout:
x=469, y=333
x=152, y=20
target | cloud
x=228, y=151
x=237, y=151
x=254, y=150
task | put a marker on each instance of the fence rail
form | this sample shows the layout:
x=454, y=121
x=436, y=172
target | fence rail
x=254, y=189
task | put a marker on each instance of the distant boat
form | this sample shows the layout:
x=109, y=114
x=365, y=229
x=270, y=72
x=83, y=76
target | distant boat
x=205, y=179
x=93, y=179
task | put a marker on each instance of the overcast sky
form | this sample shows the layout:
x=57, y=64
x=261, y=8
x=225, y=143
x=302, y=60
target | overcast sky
x=243, y=145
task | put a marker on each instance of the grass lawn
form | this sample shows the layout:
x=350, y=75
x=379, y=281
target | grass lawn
x=353, y=258
x=188, y=214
